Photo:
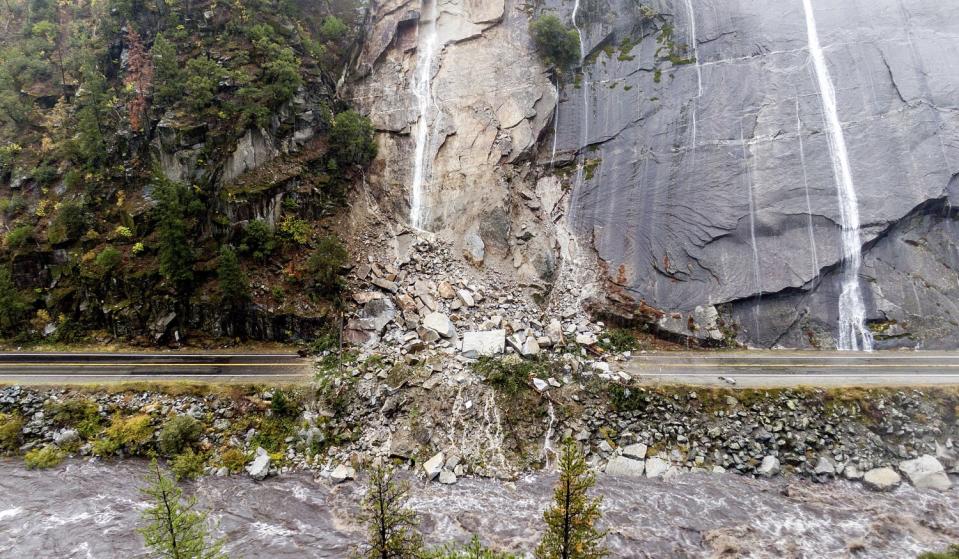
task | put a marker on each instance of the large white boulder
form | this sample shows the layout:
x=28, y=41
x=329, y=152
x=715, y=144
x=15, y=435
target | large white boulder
x=260, y=467
x=769, y=467
x=434, y=465
x=626, y=467
x=881, y=479
x=656, y=467
x=926, y=472
x=490, y=342
x=439, y=323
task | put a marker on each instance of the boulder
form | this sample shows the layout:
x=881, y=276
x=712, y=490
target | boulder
x=656, y=467
x=445, y=290
x=530, y=347
x=434, y=466
x=491, y=342
x=635, y=451
x=851, y=472
x=466, y=297
x=66, y=436
x=926, y=472
x=554, y=330
x=447, y=477
x=626, y=467
x=540, y=385
x=585, y=338
x=260, y=467
x=769, y=467
x=474, y=249
x=825, y=467
x=439, y=323
x=881, y=479
x=342, y=473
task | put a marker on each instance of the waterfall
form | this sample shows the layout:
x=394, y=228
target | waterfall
x=422, y=92
x=805, y=183
x=852, y=310
x=694, y=43
x=552, y=156
x=585, y=87
x=548, y=450
x=757, y=278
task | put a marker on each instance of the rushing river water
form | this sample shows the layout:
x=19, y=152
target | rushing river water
x=84, y=510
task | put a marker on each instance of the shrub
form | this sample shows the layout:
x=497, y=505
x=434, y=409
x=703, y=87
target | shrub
x=131, y=434
x=234, y=285
x=107, y=260
x=618, y=340
x=82, y=415
x=332, y=29
x=473, y=550
x=179, y=434
x=44, y=174
x=258, y=240
x=43, y=458
x=11, y=432
x=951, y=553
x=188, y=465
x=351, y=139
x=557, y=44
x=12, y=205
x=13, y=306
x=137, y=249
x=18, y=236
x=123, y=232
x=296, y=229
x=509, y=375
x=283, y=404
x=70, y=222
x=233, y=459
x=325, y=264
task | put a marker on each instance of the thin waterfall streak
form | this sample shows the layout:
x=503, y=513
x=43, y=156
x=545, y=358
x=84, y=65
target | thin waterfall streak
x=552, y=157
x=752, y=229
x=805, y=183
x=852, y=309
x=584, y=137
x=422, y=92
x=694, y=43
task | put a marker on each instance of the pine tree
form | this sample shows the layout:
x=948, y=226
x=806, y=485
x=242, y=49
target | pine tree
x=393, y=532
x=173, y=528
x=12, y=305
x=175, y=251
x=571, y=531
x=234, y=285
x=169, y=77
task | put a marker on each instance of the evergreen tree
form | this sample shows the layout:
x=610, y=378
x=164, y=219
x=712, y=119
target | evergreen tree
x=392, y=528
x=168, y=78
x=351, y=139
x=557, y=44
x=571, y=531
x=234, y=285
x=12, y=304
x=175, y=252
x=173, y=528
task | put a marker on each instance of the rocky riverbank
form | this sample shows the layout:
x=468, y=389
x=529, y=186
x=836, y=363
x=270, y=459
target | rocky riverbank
x=500, y=418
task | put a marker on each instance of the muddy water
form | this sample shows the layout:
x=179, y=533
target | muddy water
x=83, y=510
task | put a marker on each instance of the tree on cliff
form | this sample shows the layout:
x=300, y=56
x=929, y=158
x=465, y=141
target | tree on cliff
x=571, y=531
x=351, y=139
x=392, y=527
x=557, y=44
x=173, y=528
x=234, y=285
x=12, y=304
x=174, y=201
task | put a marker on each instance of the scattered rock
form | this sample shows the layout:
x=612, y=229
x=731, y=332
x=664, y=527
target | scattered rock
x=769, y=467
x=825, y=467
x=260, y=467
x=635, y=451
x=434, y=466
x=447, y=477
x=476, y=344
x=656, y=467
x=342, y=473
x=439, y=323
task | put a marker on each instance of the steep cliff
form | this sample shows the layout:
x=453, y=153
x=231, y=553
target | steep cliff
x=789, y=164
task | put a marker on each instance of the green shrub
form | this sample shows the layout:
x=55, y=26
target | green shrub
x=296, y=229
x=258, y=240
x=351, y=139
x=233, y=459
x=325, y=264
x=510, y=375
x=130, y=434
x=332, y=29
x=473, y=550
x=44, y=174
x=70, y=222
x=82, y=415
x=178, y=434
x=951, y=553
x=43, y=458
x=283, y=404
x=557, y=44
x=107, y=260
x=188, y=465
x=234, y=284
x=618, y=340
x=12, y=205
x=11, y=432
x=13, y=306
x=272, y=433
x=18, y=236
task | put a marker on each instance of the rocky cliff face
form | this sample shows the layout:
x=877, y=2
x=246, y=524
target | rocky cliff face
x=706, y=164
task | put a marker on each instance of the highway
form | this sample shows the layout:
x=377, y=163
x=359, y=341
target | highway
x=64, y=368
x=777, y=369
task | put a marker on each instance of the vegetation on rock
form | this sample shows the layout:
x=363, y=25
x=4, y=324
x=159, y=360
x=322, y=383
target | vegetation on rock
x=557, y=44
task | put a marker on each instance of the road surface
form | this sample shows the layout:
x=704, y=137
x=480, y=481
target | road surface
x=772, y=369
x=62, y=368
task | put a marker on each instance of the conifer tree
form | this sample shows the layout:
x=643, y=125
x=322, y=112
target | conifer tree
x=392, y=528
x=173, y=528
x=175, y=251
x=571, y=531
x=234, y=285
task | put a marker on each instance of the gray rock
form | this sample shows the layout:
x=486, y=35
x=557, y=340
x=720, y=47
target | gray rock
x=851, y=472
x=434, y=466
x=881, y=479
x=586, y=338
x=466, y=297
x=656, y=467
x=66, y=436
x=554, y=330
x=635, y=451
x=447, y=477
x=540, y=385
x=260, y=467
x=825, y=467
x=474, y=249
x=925, y=472
x=769, y=467
x=222, y=471
x=476, y=344
x=439, y=323
x=385, y=284
x=530, y=347
x=623, y=466
x=342, y=473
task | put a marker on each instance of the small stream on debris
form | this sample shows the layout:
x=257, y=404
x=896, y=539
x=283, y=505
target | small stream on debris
x=84, y=510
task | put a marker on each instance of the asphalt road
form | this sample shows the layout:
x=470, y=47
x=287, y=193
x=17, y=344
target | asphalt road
x=62, y=368
x=771, y=369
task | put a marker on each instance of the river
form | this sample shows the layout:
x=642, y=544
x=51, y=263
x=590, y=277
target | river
x=90, y=510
